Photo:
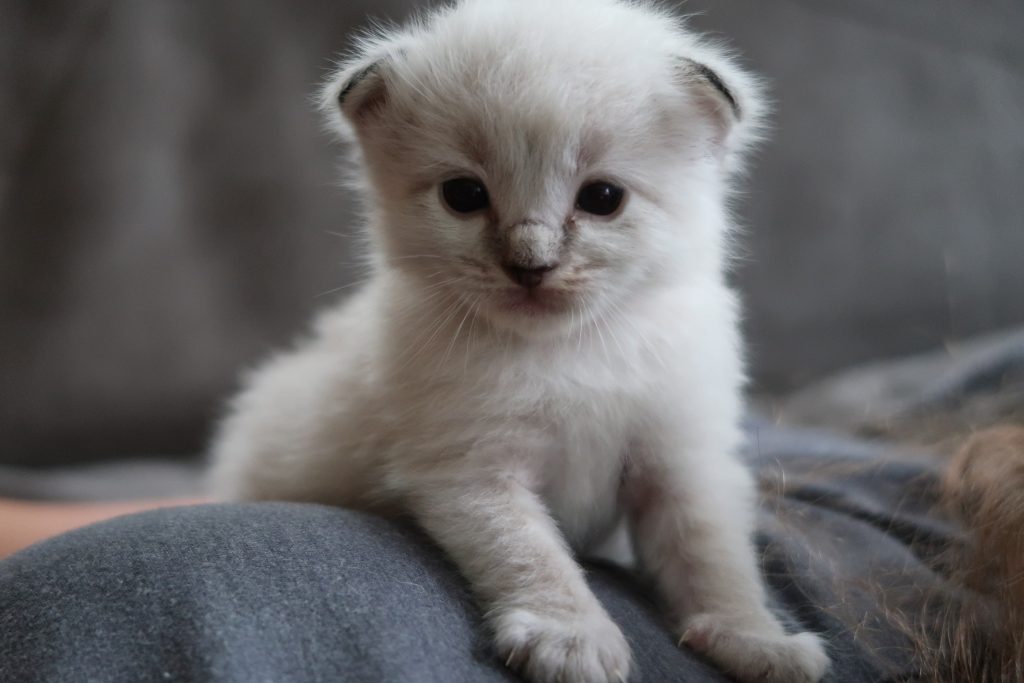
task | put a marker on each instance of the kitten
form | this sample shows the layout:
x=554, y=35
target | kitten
x=546, y=346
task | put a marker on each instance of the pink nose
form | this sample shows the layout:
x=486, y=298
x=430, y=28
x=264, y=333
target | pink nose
x=527, y=277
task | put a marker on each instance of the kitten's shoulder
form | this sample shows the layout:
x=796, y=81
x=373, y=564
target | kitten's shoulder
x=357, y=318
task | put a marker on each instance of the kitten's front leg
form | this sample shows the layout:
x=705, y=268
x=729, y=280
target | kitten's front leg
x=691, y=513
x=546, y=621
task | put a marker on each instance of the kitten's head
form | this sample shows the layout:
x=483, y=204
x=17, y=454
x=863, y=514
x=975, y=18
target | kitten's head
x=546, y=161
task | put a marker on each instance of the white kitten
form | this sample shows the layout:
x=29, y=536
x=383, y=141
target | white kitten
x=546, y=345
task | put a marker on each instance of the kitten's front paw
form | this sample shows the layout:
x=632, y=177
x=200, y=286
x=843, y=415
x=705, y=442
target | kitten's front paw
x=753, y=656
x=563, y=649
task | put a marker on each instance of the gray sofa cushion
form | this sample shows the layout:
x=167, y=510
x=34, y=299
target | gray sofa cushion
x=167, y=192
x=885, y=215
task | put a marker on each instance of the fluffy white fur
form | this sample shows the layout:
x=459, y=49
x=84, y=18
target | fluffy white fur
x=515, y=424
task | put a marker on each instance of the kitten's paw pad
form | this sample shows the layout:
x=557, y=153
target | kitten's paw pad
x=559, y=649
x=753, y=656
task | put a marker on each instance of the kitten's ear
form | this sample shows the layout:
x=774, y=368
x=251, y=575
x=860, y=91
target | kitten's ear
x=361, y=89
x=358, y=90
x=727, y=98
x=364, y=91
x=714, y=98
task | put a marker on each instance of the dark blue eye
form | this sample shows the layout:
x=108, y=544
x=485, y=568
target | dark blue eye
x=600, y=198
x=465, y=195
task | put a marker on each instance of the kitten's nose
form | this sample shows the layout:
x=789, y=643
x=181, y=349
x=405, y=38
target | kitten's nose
x=527, y=277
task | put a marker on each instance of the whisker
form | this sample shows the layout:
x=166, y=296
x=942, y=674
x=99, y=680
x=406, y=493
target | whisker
x=472, y=329
x=455, y=337
x=434, y=330
x=614, y=334
x=418, y=256
x=600, y=335
x=342, y=288
x=583, y=323
x=644, y=339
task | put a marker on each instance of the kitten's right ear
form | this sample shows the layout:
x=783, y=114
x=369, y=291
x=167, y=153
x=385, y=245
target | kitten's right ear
x=359, y=91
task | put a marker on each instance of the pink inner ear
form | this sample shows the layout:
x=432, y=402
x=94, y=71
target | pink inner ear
x=364, y=95
x=718, y=112
x=712, y=97
x=716, y=82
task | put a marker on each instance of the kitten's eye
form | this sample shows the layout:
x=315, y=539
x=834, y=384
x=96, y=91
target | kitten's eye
x=465, y=195
x=600, y=199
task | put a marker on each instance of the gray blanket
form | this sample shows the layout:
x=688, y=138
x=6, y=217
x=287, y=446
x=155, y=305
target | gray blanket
x=289, y=592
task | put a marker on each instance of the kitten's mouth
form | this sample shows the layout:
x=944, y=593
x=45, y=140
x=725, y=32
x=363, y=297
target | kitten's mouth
x=534, y=302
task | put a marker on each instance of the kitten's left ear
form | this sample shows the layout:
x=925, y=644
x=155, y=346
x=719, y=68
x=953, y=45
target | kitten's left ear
x=728, y=99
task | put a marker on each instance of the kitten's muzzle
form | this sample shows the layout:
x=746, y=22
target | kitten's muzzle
x=527, y=277
x=528, y=251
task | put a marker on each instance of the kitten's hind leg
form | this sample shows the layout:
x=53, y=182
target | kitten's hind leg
x=546, y=621
x=692, y=523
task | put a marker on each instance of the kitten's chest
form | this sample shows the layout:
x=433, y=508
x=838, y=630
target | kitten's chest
x=582, y=471
x=586, y=425
x=568, y=419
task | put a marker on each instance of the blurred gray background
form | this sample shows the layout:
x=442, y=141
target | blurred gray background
x=168, y=198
